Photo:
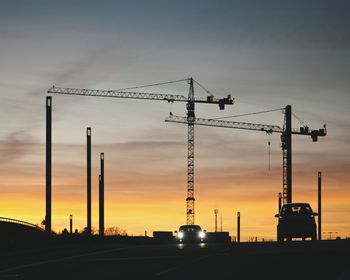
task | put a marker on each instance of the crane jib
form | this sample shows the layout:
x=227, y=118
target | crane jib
x=138, y=95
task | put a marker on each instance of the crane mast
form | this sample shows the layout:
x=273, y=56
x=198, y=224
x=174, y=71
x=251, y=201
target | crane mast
x=191, y=100
x=286, y=144
x=286, y=139
x=190, y=156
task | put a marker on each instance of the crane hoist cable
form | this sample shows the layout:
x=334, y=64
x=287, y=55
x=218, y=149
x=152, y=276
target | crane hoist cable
x=269, y=151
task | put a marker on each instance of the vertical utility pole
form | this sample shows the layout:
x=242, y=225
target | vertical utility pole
x=88, y=176
x=319, y=223
x=48, y=163
x=221, y=221
x=101, y=196
x=279, y=202
x=216, y=211
x=238, y=227
x=286, y=139
x=190, y=156
x=71, y=224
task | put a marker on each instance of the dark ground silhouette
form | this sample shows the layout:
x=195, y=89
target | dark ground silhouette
x=125, y=257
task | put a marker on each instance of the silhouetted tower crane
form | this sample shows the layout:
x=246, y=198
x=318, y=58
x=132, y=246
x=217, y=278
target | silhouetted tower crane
x=286, y=139
x=191, y=100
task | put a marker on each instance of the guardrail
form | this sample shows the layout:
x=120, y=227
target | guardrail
x=9, y=220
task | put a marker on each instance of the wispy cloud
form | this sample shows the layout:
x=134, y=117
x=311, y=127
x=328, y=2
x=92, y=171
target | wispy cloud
x=15, y=146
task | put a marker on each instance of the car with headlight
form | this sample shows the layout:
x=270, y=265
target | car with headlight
x=296, y=220
x=190, y=234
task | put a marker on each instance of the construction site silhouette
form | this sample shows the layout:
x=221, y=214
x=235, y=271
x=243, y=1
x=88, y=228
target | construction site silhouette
x=37, y=252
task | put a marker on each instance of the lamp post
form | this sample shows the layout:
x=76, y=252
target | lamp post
x=216, y=211
x=71, y=224
x=238, y=227
x=330, y=233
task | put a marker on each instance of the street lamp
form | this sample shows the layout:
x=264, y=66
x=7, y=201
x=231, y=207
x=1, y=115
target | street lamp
x=330, y=233
x=216, y=211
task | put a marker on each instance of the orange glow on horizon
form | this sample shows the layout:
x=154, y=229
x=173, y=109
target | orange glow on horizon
x=139, y=209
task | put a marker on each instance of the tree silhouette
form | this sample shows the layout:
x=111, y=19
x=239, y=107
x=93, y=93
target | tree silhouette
x=115, y=231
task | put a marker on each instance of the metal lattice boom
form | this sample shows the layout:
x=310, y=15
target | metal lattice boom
x=136, y=95
x=227, y=124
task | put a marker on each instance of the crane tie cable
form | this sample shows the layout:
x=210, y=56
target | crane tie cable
x=300, y=120
x=206, y=90
x=151, y=85
x=248, y=114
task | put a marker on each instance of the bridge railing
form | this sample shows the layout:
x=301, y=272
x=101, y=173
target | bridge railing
x=9, y=220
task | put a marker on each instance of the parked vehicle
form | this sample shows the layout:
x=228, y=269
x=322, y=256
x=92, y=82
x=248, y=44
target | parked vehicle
x=296, y=220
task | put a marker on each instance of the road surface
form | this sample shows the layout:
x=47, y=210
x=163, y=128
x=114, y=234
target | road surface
x=295, y=260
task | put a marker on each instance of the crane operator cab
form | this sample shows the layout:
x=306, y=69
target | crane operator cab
x=190, y=234
x=296, y=220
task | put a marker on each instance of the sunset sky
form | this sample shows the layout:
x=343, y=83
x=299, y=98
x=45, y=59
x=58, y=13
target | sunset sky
x=266, y=54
